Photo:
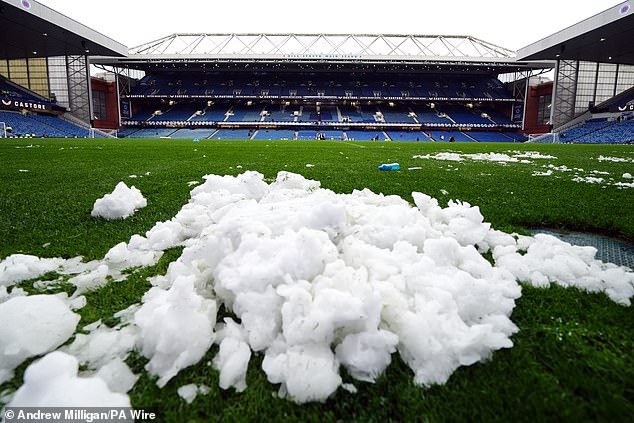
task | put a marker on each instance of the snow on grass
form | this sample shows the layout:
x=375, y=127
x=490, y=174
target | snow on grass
x=450, y=157
x=19, y=267
x=319, y=281
x=581, y=176
x=119, y=204
x=602, y=158
x=32, y=325
x=588, y=180
x=53, y=382
x=502, y=158
x=188, y=392
x=531, y=155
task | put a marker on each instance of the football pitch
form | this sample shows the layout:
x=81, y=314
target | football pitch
x=572, y=358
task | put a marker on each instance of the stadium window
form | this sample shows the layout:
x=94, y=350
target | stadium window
x=543, y=111
x=99, y=105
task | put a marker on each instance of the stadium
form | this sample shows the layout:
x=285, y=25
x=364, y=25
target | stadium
x=255, y=261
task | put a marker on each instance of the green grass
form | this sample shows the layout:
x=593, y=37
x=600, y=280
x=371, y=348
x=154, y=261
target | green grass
x=573, y=358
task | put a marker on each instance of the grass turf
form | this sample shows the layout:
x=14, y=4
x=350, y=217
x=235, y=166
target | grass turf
x=572, y=358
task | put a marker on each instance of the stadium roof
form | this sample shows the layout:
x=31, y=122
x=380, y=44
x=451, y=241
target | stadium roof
x=327, y=45
x=606, y=37
x=30, y=29
x=190, y=50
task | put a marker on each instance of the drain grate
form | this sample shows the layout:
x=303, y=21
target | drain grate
x=609, y=250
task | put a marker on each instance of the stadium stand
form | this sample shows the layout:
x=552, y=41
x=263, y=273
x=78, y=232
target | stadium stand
x=601, y=132
x=41, y=125
x=586, y=128
x=310, y=106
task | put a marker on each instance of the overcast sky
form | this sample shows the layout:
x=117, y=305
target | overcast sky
x=510, y=23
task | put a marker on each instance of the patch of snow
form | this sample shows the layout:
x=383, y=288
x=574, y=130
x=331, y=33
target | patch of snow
x=310, y=165
x=53, y=382
x=102, y=345
x=32, y=325
x=20, y=267
x=24, y=170
x=117, y=376
x=615, y=159
x=531, y=155
x=588, y=180
x=176, y=328
x=193, y=183
x=451, y=157
x=119, y=204
x=233, y=357
x=549, y=260
x=493, y=157
x=188, y=392
x=627, y=176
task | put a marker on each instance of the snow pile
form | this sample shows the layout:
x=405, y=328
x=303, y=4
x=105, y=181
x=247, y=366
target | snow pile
x=176, y=328
x=627, y=176
x=32, y=326
x=20, y=267
x=119, y=204
x=53, y=382
x=547, y=259
x=320, y=280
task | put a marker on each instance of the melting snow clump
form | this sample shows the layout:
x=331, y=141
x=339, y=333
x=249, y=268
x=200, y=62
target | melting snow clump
x=53, y=382
x=32, y=325
x=119, y=204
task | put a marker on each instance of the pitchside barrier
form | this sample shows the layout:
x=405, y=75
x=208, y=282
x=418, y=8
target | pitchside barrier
x=3, y=130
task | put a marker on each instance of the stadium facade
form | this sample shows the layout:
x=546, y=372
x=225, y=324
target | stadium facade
x=313, y=86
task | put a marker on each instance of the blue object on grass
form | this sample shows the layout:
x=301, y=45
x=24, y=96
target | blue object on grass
x=390, y=166
x=196, y=140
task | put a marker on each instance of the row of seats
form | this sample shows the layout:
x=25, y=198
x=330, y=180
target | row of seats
x=40, y=125
x=281, y=134
x=214, y=84
x=443, y=114
x=600, y=132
